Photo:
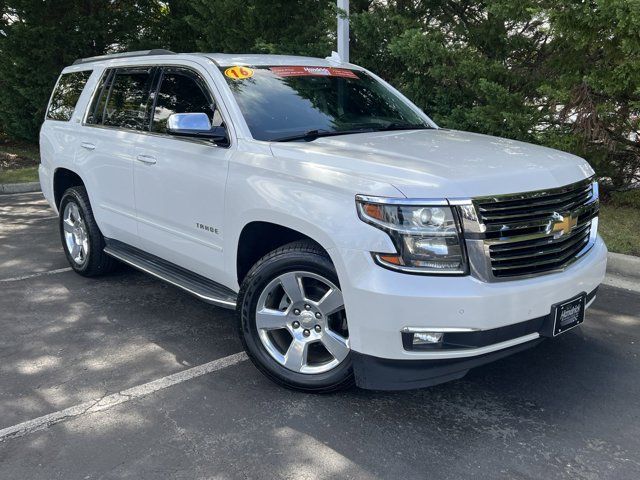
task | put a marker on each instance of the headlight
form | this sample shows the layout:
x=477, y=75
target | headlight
x=427, y=237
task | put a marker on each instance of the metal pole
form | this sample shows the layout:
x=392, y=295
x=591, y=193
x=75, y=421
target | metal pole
x=343, y=30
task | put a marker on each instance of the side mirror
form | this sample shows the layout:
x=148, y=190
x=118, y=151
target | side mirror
x=195, y=125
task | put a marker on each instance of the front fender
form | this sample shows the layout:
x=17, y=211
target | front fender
x=317, y=203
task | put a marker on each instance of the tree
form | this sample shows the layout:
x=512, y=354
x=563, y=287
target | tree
x=471, y=65
x=39, y=38
x=304, y=27
x=592, y=85
x=173, y=29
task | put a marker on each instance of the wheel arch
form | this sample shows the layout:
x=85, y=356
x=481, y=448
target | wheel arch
x=63, y=179
x=259, y=237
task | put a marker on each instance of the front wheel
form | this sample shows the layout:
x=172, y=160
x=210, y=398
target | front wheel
x=293, y=322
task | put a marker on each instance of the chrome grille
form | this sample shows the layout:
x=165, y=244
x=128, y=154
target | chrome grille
x=536, y=256
x=538, y=232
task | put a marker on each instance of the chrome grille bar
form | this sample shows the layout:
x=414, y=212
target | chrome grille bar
x=505, y=214
x=539, y=197
x=504, y=231
x=560, y=256
x=508, y=204
x=526, y=252
x=517, y=244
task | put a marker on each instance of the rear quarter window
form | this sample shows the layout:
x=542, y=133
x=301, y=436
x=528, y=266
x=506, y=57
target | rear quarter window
x=66, y=95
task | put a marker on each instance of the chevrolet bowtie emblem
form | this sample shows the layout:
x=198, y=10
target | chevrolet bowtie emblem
x=562, y=224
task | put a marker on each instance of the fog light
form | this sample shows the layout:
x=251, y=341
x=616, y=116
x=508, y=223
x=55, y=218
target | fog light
x=426, y=338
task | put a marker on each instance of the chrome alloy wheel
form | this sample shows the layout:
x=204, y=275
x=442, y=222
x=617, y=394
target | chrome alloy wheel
x=301, y=322
x=75, y=233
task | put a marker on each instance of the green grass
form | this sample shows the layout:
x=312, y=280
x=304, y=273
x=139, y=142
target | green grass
x=19, y=150
x=19, y=175
x=620, y=228
x=18, y=161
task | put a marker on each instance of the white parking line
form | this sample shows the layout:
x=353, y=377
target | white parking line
x=35, y=275
x=109, y=401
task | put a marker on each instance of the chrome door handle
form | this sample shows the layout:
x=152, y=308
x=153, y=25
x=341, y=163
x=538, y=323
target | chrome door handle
x=148, y=159
x=88, y=146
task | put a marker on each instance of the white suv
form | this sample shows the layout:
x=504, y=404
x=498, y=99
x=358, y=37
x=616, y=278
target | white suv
x=358, y=242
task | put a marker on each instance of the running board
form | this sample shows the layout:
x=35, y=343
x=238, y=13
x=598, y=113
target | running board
x=203, y=288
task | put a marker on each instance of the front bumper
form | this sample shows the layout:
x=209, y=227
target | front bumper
x=380, y=303
x=373, y=373
x=487, y=345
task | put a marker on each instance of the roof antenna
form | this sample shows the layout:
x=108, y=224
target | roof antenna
x=335, y=58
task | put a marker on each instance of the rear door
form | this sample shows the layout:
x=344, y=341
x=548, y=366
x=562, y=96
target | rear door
x=60, y=130
x=179, y=181
x=118, y=115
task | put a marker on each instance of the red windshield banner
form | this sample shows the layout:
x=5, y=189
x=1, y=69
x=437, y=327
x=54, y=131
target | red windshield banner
x=313, y=72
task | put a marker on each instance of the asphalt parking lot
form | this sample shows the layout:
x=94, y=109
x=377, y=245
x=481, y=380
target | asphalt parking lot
x=119, y=356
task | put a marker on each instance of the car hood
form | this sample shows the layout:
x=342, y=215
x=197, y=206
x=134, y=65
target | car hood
x=439, y=163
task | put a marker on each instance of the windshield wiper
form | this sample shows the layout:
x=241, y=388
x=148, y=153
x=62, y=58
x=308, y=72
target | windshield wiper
x=311, y=135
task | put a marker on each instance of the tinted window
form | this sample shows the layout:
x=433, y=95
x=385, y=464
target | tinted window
x=182, y=91
x=96, y=111
x=127, y=103
x=282, y=101
x=66, y=95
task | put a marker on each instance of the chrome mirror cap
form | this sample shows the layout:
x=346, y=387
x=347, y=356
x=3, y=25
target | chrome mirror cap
x=197, y=126
x=190, y=122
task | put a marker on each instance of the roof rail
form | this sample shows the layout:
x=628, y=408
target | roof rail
x=140, y=53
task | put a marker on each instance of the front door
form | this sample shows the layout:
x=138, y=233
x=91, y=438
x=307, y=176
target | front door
x=180, y=182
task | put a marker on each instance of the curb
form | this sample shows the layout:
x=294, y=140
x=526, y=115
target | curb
x=624, y=266
x=7, y=188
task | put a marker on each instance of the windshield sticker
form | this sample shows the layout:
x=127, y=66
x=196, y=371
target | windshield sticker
x=313, y=72
x=238, y=73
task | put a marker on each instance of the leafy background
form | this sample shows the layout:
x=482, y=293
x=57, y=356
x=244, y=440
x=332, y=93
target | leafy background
x=562, y=73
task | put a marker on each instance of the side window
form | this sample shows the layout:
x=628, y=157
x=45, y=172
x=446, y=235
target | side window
x=127, y=102
x=96, y=111
x=182, y=91
x=66, y=95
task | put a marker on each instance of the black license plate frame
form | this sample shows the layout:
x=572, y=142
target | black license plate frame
x=568, y=314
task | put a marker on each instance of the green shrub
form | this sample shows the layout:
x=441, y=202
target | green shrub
x=628, y=198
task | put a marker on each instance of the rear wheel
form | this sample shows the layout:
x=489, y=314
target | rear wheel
x=82, y=240
x=293, y=321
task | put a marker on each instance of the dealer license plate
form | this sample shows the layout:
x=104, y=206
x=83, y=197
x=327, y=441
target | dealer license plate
x=568, y=314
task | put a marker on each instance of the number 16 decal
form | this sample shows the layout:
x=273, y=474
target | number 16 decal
x=238, y=73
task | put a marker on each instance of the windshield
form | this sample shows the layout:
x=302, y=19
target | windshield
x=293, y=102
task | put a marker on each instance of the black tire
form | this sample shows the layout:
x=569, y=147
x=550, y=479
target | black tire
x=300, y=255
x=96, y=261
